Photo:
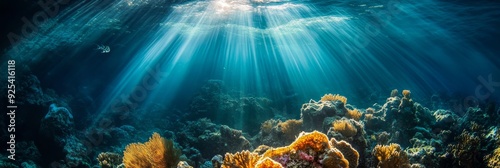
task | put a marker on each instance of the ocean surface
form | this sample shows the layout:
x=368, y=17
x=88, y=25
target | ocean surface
x=119, y=70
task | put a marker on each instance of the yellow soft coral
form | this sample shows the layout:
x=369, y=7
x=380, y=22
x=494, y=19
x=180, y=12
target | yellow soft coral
x=268, y=163
x=494, y=158
x=391, y=156
x=157, y=152
x=345, y=128
x=290, y=129
x=334, y=97
x=353, y=114
x=244, y=159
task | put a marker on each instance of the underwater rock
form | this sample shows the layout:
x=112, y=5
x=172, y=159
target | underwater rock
x=313, y=113
x=215, y=103
x=57, y=122
x=211, y=139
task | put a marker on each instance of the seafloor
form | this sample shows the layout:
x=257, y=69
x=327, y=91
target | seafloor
x=222, y=129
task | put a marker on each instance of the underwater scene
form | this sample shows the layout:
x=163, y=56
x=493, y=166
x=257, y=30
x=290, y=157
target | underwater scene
x=250, y=84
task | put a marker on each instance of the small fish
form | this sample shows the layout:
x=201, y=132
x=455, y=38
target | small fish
x=103, y=48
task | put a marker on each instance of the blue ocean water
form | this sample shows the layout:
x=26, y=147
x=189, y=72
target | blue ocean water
x=136, y=54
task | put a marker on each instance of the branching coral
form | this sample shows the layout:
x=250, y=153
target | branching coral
x=334, y=97
x=354, y=114
x=493, y=159
x=157, y=152
x=391, y=156
x=350, y=154
x=466, y=151
x=345, y=128
x=268, y=163
x=244, y=159
x=109, y=159
x=267, y=126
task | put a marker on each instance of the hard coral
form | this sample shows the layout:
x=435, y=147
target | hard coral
x=334, y=159
x=109, y=159
x=350, y=154
x=334, y=97
x=391, y=156
x=345, y=128
x=244, y=159
x=157, y=152
x=466, y=151
x=268, y=163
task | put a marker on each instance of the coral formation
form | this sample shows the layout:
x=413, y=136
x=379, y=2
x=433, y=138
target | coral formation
x=334, y=97
x=350, y=154
x=391, y=156
x=354, y=114
x=290, y=129
x=268, y=163
x=345, y=128
x=109, y=160
x=244, y=159
x=157, y=152
x=493, y=159
x=466, y=151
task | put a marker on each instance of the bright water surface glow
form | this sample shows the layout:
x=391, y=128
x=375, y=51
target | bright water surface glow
x=274, y=48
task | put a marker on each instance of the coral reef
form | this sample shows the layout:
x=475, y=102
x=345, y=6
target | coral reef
x=334, y=97
x=109, y=160
x=268, y=163
x=466, y=152
x=350, y=154
x=345, y=128
x=314, y=113
x=211, y=139
x=493, y=159
x=157, y=152
x=244, y=159
x=354, y=114
x=391, y=156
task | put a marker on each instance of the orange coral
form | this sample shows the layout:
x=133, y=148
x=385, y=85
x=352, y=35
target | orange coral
x=315, y=141
x=406, y=94
x=391, y=156
x=354, y=114
x=334, y=97
x=268, y=163
x=350, y=154
x=157, y=152
x=345, y=128
x=291, y=128
x=244, y=159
